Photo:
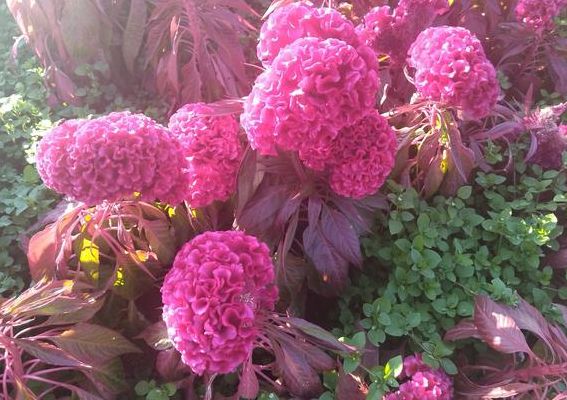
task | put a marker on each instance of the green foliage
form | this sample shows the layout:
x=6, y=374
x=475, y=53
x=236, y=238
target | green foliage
x=150, y=390
x=427, y=260
x=23, y=113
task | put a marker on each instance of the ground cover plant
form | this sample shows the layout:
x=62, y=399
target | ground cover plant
x=334, y=200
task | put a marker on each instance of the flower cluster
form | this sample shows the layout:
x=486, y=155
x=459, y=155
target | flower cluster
x=451, y=67
x=538, y=15
x=391, y=32
x=298, y=20
x=214, y=297
x=314, y=88
x=422, y=382
x=363, y=156
x=112, y=157
x=212, y=146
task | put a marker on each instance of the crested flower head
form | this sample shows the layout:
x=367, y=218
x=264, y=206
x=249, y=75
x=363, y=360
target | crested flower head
x=314, y=88
x=422, y=382
x=112, y=157
x=212, y=146
x=298, y=20
x=539, y=15
x=363, y=156
x=391, y=32
x=451, y=67
x=52, y=157
x=215, y=296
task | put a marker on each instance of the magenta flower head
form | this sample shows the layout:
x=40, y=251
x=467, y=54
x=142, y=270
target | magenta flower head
x=52, y=157
x=539, y=15
x=451, y=67
x=392, y=32
x=363, y=156
x=112, y=157
x=215, y=297
x=213, y=148
x=314, y=88
x=422, y=382
x=298, y=20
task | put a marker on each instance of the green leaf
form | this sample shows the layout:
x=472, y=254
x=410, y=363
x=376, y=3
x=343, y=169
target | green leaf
x=449, y=366
x=350, y=364
x=376, y=336
x=142, y=388
x=358, y=340
x=464, y=192
x=395, y=226
x=429, y=360
x=157, y=394
x=375, y=392
x=394, y=367
x=327, y=396
x=170, y=389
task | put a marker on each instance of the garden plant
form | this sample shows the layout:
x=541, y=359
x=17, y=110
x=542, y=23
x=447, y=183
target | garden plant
x=252, y=199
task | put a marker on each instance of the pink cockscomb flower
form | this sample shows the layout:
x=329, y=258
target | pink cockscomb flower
x=213, y=148
x=215, y=297
x=313, y=89
x=422, y=382
x=391, y=32
x=451, y=67
x=539, y=15
x=363, y=156
x=298, y=20
x=112, y=157
x=52, y=157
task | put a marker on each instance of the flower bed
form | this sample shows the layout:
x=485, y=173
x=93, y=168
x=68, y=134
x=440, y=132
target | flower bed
x=381, y=217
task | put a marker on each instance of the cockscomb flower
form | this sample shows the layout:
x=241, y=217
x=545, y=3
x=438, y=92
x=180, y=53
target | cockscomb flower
x=313, y=89
x=215, y=297
x=422, y=382
x=363, y=156
x=391, y=32
x=298, y=20
x=52, y=157
x=539, y=15
x=112, y=157
x=451, y=67
x=213, y=148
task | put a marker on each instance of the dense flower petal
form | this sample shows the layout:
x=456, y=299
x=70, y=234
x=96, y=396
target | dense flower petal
x=539, y=15
x=422, y=382
x=213, y=148
x=299, y=20
x=112, y=157
x=214, y=297
x=451, y=67
x=363, y=156
x=313, y=89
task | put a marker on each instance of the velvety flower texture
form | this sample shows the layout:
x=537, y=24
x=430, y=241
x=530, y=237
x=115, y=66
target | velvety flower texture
x=53, y=163
x=391, y=32
x=363, y=156
x=538, y=15
x=112, y=157
x=297, y=20
x=451, y=67
x=214, y=297
x=313, y=89
x=213, y=148
x=422, y=382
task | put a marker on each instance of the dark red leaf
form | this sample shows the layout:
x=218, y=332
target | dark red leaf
x=465, y=329
x=156, y=336
x=248, y=387
x=497, y=328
